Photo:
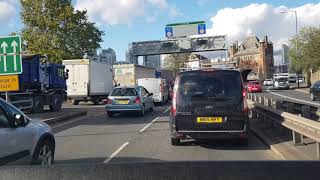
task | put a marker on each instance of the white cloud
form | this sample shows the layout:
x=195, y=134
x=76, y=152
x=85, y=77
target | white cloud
x=125, y=11
x=263, y=19
x=7, y=11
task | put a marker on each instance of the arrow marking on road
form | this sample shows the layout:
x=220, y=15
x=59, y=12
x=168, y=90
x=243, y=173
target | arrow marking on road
x=14, y=45
x=4, y=46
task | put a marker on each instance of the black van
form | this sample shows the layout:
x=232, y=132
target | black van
x=209, y=104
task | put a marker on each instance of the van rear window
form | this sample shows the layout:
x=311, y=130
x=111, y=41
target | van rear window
x=213, y=84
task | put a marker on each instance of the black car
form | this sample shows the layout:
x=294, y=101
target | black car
x=209, y=104
x=315, y=91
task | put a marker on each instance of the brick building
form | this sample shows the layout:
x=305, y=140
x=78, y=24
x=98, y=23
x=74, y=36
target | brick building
x=253, y=56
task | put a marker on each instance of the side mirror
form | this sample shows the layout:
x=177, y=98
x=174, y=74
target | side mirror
x=19, y=120
x=150, y=94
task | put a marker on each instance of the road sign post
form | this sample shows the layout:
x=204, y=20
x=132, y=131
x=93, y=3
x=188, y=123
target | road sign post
x=10, y=55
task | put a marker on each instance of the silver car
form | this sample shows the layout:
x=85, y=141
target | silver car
x=129, y=99
x=24, y=140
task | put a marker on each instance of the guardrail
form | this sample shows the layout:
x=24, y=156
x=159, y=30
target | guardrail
x=300, y=126
x=305, y=110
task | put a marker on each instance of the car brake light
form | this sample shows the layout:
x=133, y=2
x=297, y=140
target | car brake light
x=137, y=100
x=161, y=87
x=244, y=93
x=107, y=101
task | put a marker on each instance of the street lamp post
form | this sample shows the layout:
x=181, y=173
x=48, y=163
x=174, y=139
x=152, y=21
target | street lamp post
x=296, y=18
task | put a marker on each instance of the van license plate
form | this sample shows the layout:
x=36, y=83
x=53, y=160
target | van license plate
x=209, y=119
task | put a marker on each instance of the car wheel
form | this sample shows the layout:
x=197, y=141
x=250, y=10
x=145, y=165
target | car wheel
x=141, y=113
x=312, y=97
x=175, y=141
x=44, y=154
x=152, y=106
x=96, y=101
x=110, y=114
x=75, y=102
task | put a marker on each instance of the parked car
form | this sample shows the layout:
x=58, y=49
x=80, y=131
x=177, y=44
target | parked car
x=209, y=105
x=24, y=140
x=158, y=87
x=129, y=99
x=254, y=86
x=315, y=91
x=268, y=82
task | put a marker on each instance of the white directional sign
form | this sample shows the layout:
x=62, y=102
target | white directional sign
x=10, y=55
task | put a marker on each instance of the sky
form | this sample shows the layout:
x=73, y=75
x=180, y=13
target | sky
x=125, y=21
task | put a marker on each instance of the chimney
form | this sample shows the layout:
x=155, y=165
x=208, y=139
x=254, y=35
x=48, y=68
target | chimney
x=266, y=39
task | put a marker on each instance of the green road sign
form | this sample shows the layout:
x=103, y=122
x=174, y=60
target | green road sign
x=10, y=55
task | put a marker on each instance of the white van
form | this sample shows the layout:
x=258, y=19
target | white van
x=156, y=86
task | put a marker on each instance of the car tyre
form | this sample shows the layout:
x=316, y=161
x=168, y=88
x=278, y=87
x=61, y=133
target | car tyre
x=110, y=114
x=75, y=102
x=142, y=111
x=312, y=97
x=44, y=154
x=175, y=141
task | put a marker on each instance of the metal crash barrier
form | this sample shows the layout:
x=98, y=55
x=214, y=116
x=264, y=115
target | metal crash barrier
x=268, y=111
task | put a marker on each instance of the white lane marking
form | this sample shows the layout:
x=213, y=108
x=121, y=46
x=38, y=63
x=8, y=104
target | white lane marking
x=299, y=100
x=116, y=152
x=166, y=110
x=302, y=91
x=149, y=124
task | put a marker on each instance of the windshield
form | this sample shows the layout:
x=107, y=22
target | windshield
x=123, y=92
x=134, y=81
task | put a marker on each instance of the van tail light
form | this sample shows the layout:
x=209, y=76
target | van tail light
x=245, y=107
x=137, y=100
x=161, y=87
x=174, y=103
x=107, y=101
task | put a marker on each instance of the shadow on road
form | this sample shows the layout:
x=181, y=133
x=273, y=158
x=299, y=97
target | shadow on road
x=100, y=160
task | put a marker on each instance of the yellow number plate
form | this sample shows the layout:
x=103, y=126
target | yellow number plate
x=122, y=101
x=209, y=119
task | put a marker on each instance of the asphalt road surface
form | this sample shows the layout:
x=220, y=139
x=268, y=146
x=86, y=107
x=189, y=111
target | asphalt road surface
x=290, y=95
x=128, y=138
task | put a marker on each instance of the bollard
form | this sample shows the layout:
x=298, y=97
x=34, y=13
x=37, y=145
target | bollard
x=267, y=102
x=290, y=108
x=297, y=138
x=306, y=111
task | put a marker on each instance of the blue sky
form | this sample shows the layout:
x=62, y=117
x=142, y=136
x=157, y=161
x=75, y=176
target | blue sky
x=137, y=20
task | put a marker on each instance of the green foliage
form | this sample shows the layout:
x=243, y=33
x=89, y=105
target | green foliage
x=305, y=50
x=176, y=61
x=55, y=29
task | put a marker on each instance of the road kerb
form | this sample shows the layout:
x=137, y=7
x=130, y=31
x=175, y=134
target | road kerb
x=64, y=117
x=267, y=142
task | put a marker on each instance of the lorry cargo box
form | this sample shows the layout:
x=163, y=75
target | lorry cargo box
x=128, y=74
x=88, y=79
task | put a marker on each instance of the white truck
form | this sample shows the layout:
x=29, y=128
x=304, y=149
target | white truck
x=158, y=87
x=128, y=74
x=89, y=80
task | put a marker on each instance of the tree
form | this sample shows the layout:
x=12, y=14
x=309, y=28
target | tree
x=176, y=61
x=304, y=52
x=55, y=29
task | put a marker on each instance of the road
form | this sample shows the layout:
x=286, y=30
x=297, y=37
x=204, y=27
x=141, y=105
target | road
x=128, y=138
x=297, y=96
